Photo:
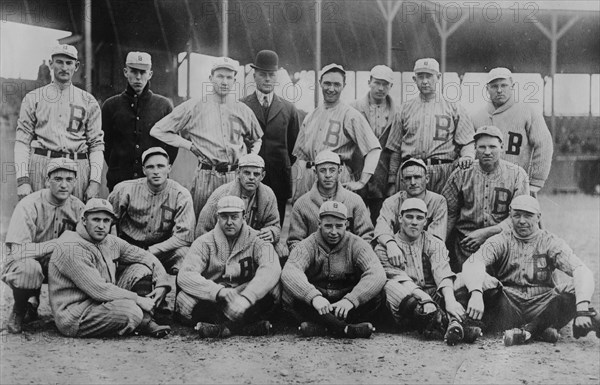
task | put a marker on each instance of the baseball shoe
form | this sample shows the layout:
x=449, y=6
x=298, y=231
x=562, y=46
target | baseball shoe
x=550, y=335
x=206, y=330
x=455, y=333
x=310, y=329
x=260, y=328
x=155, y=330
x=361, y=330
x=31, y=313
x=471, y=334
x=15, y=320
x=516, y=336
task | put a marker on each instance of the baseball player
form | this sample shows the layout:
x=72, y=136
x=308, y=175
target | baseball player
x=337, y=127
x=228, y=283
x=419, y=290
x=531, y=305
x=38, y=219
x=260, y=212
x=90, y=296
x=218, y=126
x=155, y=213
x=305, y=212
x=383, y=116
x=278, y=119
x=333, y=279
x=415, y=177
x=478, y=198
x=527, y=139
x=127, y=119
x=59, y=120
x=433, y=129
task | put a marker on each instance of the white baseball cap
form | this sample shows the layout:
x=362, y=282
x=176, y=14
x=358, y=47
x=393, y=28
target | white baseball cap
x=428, y=65
x=333, y=208
x=492, y=131
x=65, y=49
x=251, y=160
x=95, y=205
x=413, y=204
x=413, y=162
x=139, y=60
x=61, y=164
x=230, y=204
x=499, y=73
x=154, y=151
x=327, y=156
x=224, y=63
x=382, y=72
x=526, y=203
x=332, y=67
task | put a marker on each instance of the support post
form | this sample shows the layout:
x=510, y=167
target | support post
x=87, y=22
x=225, y=28
x=317, y=49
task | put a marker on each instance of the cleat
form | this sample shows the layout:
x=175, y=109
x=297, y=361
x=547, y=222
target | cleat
x=206, y=330
x=309, y=329
x=260, y=328
x=471, y=334
x=361, y=330
x=15, y=321
x=154, y=330
x=550, y=335
x=454, y=334
x=514, y=336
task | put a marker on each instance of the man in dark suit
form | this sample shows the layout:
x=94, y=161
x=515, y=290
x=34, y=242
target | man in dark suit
x=278, y=119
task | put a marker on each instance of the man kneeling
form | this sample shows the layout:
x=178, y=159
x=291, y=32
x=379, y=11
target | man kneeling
x=229, y=280
x=89, y=294
x=529, y=304
x=419, y=291
x=333, y=279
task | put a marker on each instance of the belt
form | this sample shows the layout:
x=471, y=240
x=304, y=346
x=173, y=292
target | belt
x=434, y=161
x=312, y=164
x=219, y=168
x=58, y=154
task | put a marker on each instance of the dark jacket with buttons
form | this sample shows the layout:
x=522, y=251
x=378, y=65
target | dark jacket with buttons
x=126, y=121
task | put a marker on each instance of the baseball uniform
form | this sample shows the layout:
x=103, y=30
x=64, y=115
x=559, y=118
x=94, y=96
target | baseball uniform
x=250, y=267
x=35, y=221
x=126, y=122
x=427, y=268
x=525, y=268
x=341, y=129
x=161, y=222
x=59, y=122
x=436, y=131
x=477, y=199
x=88, y=296
x=387, y=224
x=219, y=131
x=527, y=140
x=305, y=215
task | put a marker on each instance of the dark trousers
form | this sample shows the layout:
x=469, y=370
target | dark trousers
x=374, y=205
x=212, y=312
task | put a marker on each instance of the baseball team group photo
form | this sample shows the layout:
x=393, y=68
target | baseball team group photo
x=327, y=192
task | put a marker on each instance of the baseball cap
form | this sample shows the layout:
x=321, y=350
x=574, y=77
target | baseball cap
x=230, y=204
x=61, y=164
x=96, y=205
x=327, y=156
x=526, y=203
x=139, y=60
x=65, y=49
x=153, y=151
x=383, y=73
x=251, y=160
x=428, y=65
x=224, y=62
x=333, y=208
x=413, y=162
x=499, y=73
x=489, y=131
x=332, y=67
x=413, y=204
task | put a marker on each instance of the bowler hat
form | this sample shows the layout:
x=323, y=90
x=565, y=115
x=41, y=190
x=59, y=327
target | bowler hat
x=266, y=60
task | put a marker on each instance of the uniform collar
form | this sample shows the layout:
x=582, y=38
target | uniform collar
x=326, y=247
x=145, y=92
x=509, y=103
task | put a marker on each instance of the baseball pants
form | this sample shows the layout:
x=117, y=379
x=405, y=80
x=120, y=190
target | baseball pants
x=395, y=293
x=306, y=178
x=37, y=174
x=120, y=316
x=26, y=273
x=458, y=255
x=205, y=182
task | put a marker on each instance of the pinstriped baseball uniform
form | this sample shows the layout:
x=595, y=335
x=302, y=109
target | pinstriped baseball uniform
x=341, y=129
x=219, y=130
x=433, y=129
x=387, y=223
x=36, y=220
x=477, y=199
x=527, y=140
x=66, y=121
x=86, y=295
x=164, y=220
x=426, y=268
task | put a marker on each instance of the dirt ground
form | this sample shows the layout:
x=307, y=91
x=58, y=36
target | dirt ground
x=42, y=355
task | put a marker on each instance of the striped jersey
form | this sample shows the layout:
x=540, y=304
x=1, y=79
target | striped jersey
x=152, y=217
x=527, y=140
x=434, y=128
x=340, y=129
x=477, y=199
x=219, y=130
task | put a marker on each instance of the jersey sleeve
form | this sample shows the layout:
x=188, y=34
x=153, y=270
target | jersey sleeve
x=22, y=225
x=27, y=119
x=168, y=128
x=542, y=149
x=93, y=130
x=563, y=256
x=384, y=228
x=358, y=129
x=452, y=193
x=465, y=130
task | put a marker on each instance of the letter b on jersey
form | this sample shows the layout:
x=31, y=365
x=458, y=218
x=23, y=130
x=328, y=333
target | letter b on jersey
x=514, y=143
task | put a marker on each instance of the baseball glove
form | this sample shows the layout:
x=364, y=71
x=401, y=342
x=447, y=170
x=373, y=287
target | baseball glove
x=582, y=331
